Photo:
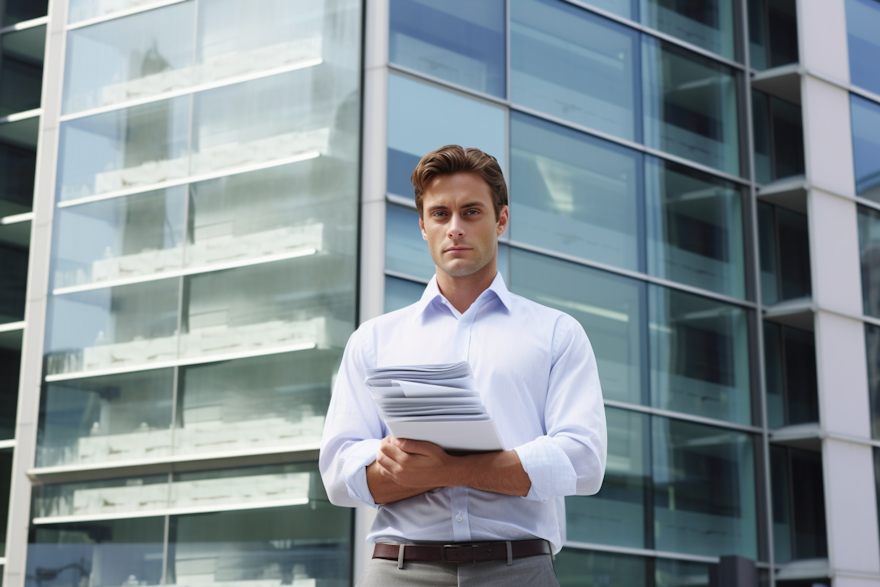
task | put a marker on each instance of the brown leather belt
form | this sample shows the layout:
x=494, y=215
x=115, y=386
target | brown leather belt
x=462, y=553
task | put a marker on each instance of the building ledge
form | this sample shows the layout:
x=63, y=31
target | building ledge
x=813, y=568
x=788, y=192
x=803, y=436
x=798, y=313
x=783, y=82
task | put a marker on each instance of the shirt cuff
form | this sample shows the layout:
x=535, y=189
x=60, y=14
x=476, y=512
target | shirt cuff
x=354, y=471
x=549, y=469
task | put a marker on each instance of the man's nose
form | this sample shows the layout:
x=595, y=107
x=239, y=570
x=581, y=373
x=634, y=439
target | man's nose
x=456, y=229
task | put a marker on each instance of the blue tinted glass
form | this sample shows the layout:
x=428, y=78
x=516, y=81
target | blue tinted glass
x=862, y=26
x=690, y=106
x=869, y=245
x=405, y=250
x=400, y=293
x=574, y=193
x=572, y=64
x=625, y=8
x=707, y=24
x=460, y=41
x=422, y=118
x=866, y=146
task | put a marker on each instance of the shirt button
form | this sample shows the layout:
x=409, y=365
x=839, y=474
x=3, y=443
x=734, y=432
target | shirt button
x=458, y=518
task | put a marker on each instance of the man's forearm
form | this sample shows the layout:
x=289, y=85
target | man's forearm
x=498, y=472
x=386, y=490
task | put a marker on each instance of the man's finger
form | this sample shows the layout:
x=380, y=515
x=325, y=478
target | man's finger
x=416, y=446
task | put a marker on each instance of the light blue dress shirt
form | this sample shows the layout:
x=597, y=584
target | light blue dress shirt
x=536, y=373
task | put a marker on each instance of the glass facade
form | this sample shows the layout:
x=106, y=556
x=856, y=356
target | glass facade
x=869, y=248
x=862, y=23
x=866, y=146
x=784, y=254
x=798, y=504
x=779, y=138
x=791, y=380
x=773, y=39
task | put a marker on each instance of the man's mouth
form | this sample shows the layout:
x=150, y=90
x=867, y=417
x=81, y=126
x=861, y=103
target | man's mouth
x=457, y=249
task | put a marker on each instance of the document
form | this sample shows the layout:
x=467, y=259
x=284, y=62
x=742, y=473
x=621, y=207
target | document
x=437, y=403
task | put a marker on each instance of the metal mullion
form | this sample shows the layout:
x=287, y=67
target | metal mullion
x=868, y=203
x=682, y=416
x=122, y=14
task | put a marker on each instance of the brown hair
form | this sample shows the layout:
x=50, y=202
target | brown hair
x=455, y=159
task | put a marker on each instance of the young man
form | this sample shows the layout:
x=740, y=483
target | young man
x=536, y=373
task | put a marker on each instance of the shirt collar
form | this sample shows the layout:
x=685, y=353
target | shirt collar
x=432, y=292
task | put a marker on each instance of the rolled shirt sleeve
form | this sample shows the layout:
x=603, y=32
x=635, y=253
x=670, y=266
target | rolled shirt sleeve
x=570, y=458
x=353, y=429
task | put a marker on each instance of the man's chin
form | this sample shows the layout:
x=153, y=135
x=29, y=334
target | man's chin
x=460, y=269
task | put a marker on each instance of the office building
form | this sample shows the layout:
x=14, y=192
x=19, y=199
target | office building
x=200, y=200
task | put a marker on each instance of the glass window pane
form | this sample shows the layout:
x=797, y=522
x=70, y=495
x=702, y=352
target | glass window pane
x=101, y=553
x=609, y=308
x=625, y=8
x=113, y=327
x=129, y=58
x=872, y=345
x=21, y=69
x=774, y=371
x=678, y=573
x=114, y=497
x=704, y=489
x=585, y=568
x=616, y=515
x=405, y=250
x=289, y=545
x=458, y=41
x=400, y=293
x=690, y=106
x=866, y=146
x=788, y=139
x=781, y=493
x=695, y=229
x=112, y=418
x=768, y=253
x=574, y=65
x=18, y=165
x=412, y=133
x=761, y=129
x=13, y=282
x=773, y=40
x=707, y=24
x=87, y=9
x=573, y=193
x=20, y=10
x=801, y=386
x=794, y=254
x=808, y=503
x=869, y=248
x=699, y=356
x=862, y=24
x=277, y=400
x=10, y=366
x=123, y=149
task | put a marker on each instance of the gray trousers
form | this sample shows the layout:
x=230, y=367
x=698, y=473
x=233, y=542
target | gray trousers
x=532, y=571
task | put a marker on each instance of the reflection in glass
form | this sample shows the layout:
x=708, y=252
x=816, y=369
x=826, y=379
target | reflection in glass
x=119, y=239
x=773, y=37
x=5, y=482
x=88, y=9
x=400, y=293
x=866, y=146
x=21, y=69
x=862, y=24
x=574, y=65
x=784, y=253
x=412, y=133
x=287, y=546
x=625, y=8
x=18, y=165
x=695, y=230
x=699, y=356
x=111, y=418
x=113, y=327
x=124, y=149
x=798, y=504
x=248, y=404
x=678, y=573
x=690, y=106
x=586, y=568
x=405, y=250
x=872, y=345
x=609, y=308
x=790, y=367
x=100, y=553
x=458, y=41
x=704, y=489
x=16, y=11
x=616, y=515
x=10, y=366
x=707, y=24
x=573, y=193
x=106, y=497
x=779, y=138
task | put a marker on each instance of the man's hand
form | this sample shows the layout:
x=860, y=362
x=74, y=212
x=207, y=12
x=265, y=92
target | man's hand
x=404, y=468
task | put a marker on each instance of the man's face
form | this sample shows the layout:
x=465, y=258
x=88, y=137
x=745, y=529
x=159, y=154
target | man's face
x=458, y=221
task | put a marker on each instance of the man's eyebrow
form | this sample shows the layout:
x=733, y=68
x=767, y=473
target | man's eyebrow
x=473, y=205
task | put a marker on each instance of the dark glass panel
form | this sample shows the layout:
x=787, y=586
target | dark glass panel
x=13, y=282
x=768, y=253
x=774, y=372
x=866, y=146
x=456, y=40
x=10, y=366
x=616, y=515
x=678, y=573
x=781, y=494
x=862, y=24
x=21, y=69
x=872, y=345
x=585, y=568
x=763, y=144
x=5, y=481
x=772, y=33
x=792, y=387
x=869, y=250
x=798, y=504
x=794, y=254
x=788, y=138
x=103, y=553
x=20, y=10
x=704, y=489
x=18, y=165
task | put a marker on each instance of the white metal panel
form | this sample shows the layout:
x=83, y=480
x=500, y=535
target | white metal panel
x=822, y=38
x=843, y=378
x=834, y=252
x=827, y=136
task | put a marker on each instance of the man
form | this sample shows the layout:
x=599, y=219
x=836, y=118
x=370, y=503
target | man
x=536, y=373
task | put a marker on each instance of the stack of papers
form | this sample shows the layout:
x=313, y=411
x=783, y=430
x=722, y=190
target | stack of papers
x=436, y=403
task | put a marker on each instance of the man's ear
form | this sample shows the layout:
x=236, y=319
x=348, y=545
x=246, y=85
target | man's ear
x=422, y=226
x=503, y=219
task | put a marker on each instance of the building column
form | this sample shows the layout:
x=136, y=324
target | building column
x=850, y=493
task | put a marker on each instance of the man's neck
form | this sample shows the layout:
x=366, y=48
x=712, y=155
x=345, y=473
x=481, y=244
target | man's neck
x=464, y=291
